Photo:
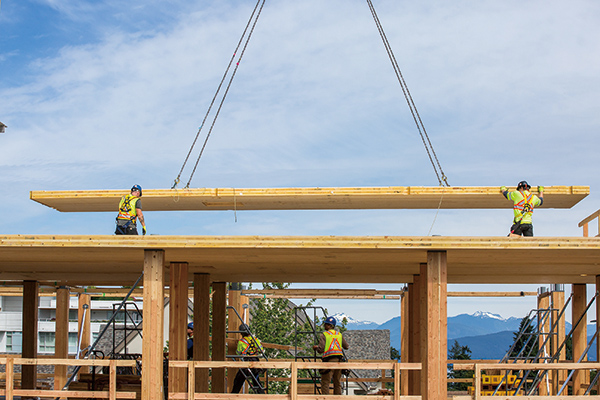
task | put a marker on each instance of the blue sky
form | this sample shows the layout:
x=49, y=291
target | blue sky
x=105, y=94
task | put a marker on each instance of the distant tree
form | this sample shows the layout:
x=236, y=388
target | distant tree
x=273, y=321
x=526, y=340
x=458, y=352
x=394, y=355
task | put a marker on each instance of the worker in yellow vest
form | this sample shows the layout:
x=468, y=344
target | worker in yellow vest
x=524, y=203
x=130, y=209
x=250, y=348
x=331, y=343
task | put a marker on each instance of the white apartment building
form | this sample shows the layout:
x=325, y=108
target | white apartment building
x=11, y=323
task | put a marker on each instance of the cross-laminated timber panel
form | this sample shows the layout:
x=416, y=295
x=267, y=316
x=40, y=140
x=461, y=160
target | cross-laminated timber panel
x=118, y=260
x=393, y=197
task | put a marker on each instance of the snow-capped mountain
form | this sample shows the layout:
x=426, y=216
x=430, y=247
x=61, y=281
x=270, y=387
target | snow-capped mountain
x=484, y=314
x=354, y=324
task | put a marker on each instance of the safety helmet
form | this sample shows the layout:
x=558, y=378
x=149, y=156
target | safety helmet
x=244, y=328
x=191, y=325
x=524, y=185
x=331, y=321
x=138, y=188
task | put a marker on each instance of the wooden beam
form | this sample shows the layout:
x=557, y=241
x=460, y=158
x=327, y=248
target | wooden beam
x=579, y=335
x=61, y=344
x=404, y=342
x=219, y=331
x=234, y=299
x=434, y=346
x=110, y=259
x=178, y=307
x=152, y=325
x=414, y=315
x=202, y=294
x=30, y=333
x=84, y=322
x=393, y=197
x=558, y=303
x=543, y=324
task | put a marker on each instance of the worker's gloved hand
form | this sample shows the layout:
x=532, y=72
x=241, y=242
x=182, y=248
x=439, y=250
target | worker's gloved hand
x=144, y=230
x=540, y=189
x=503, y=189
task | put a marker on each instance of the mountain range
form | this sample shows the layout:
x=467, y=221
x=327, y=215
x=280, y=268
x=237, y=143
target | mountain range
x=488, y=335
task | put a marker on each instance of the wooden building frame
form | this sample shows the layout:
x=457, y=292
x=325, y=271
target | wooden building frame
x=426, y=264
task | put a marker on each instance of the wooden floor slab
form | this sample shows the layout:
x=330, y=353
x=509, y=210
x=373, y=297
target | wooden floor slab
x=393, y=197
x=118, y=260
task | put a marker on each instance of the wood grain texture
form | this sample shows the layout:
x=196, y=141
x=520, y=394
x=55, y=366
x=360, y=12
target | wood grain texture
x=118, y=260
x=392, y=197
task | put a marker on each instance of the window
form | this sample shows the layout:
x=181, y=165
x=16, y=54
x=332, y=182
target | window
x=46, y=342
x=14, y=342
x=72, y=342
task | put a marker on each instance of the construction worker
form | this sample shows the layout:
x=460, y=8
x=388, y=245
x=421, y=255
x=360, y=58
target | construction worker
x=524, y=203
x=190, y=341
x=330, y=345
x=130, y=209
x=249, y=347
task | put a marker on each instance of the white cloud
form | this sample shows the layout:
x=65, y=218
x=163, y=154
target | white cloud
x=507, y=91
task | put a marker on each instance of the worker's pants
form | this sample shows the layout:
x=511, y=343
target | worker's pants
x=129, y=230
x=522, y=229
x=327, y=374
x=240, y=378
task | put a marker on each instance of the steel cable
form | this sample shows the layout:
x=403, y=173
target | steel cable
x=411, y=105
x=176, y=182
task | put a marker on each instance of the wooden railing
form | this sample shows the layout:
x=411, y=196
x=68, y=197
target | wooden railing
x=294, y=367
x=587, y=220
x=9, y=392
x=478, y=368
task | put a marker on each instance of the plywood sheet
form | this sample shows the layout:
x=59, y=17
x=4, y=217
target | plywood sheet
x=393, y=197
x=118, y=260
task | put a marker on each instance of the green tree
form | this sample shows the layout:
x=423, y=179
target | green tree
x=458, y=352
x=273, y=321
x=526, y=340
x=394, y=355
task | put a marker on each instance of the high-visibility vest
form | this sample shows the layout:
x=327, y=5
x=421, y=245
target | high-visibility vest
x=249, y=346
x=524, y=203
x=333, y=343
x=127, y=208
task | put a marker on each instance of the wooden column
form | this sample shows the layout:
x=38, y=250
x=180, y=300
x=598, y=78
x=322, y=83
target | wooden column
x=61, y=343
x=234, y=300
x=30, y=332
x=153, y=325
x=202, y=328
x=404, y=342
x=434, y=330
x=598, y=320
x=84, y=322
x=579, y=335
x=543, y=303
x=219, y=331
x=178, y=306
x=558, y=303
x=414, y=321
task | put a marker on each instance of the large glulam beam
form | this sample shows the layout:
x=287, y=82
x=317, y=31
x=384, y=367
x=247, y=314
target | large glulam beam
x=392, y=197
x=117, y=260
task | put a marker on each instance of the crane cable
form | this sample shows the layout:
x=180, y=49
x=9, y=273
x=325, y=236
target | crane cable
x=442, y=179
x=252, y=18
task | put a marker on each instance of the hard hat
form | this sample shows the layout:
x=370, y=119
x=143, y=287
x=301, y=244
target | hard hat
x=244, y=328
x=331, y=321
x=191, y=325
x=524, y=185
x=138, y=188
